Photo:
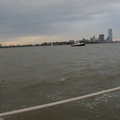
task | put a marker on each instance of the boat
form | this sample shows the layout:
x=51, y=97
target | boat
x=78, y=44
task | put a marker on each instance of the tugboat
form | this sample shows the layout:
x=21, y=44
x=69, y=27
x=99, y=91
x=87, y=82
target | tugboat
x=78, y=44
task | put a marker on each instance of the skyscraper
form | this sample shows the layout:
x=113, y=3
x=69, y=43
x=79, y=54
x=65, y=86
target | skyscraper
x=101, y=38
x=110, y=35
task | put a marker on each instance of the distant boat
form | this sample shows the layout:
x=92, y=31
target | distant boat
x=78, y=44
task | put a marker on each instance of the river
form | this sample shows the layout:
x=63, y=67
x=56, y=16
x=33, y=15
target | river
x=31, y=76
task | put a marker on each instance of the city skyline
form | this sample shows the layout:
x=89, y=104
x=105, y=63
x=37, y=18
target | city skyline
x=101, y=37
x=32, y=22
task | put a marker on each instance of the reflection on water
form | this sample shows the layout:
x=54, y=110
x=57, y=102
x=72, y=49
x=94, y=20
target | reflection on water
x=40, y=75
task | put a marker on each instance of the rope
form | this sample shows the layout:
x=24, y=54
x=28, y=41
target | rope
x=57, y=103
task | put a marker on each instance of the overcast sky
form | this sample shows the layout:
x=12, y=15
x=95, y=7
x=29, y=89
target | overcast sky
x=37, y=21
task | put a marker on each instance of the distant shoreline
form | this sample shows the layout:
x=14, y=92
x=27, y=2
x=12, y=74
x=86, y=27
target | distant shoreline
x=51, y=44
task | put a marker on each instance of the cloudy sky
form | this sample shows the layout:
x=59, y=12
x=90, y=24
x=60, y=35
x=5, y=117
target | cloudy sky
x=37, y=21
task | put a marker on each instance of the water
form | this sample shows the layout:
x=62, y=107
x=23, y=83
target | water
x=38, y=75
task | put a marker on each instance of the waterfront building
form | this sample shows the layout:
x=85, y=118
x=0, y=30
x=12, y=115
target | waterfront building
x=110, y=39
x=101, y=38
x=93, y=39
x=71, y=41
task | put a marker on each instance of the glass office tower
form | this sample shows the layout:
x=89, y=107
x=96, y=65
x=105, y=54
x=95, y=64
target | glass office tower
x=110, y=35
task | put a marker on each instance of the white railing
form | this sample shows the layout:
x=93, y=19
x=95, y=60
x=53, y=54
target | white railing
x=56, y=103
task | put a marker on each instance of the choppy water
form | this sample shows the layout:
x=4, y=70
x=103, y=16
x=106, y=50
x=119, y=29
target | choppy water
x=39, y=75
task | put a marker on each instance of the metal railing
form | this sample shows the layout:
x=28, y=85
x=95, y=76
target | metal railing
x=56, y=103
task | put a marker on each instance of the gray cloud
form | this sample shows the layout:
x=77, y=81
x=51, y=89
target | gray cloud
x=50, y=17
